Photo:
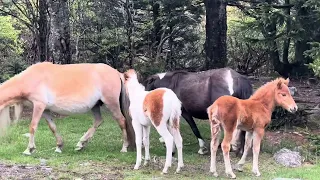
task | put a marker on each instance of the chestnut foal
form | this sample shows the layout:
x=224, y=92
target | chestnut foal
x=251, y=115
x=161, y=108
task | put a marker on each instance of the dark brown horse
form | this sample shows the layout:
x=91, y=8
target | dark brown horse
x=198, y=90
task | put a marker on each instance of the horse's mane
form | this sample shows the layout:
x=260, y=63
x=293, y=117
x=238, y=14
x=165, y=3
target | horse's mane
x=267, y=87
x=179, y=72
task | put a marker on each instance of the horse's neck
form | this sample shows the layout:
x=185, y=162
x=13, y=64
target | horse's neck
x=267, y=101
x=137, y=94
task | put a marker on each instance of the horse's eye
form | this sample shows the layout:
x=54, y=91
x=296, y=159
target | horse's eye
x=284, y=95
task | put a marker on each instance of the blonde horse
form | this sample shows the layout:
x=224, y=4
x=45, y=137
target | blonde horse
x=251, y=115
x=67, y=89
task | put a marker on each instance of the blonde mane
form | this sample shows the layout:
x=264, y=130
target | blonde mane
x=267, y=87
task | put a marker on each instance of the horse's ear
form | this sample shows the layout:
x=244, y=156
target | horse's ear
x=286, y=82
x=279, y=85
x=125, y=76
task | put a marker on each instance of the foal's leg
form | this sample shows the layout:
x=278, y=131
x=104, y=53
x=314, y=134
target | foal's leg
x=247, y=146
x=137, y=127
x=257, y=137
x=88, y=135
x=215, y=132
x=52, y=126
x=178, y=143
x=225, y=145
x=38, y=109
x=168, y=139
x=146, y=142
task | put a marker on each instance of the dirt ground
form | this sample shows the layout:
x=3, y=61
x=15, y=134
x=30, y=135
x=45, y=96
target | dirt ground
x=308, y=96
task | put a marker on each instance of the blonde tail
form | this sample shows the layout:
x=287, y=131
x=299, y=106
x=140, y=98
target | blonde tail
x=18, y=107
x=5, y=120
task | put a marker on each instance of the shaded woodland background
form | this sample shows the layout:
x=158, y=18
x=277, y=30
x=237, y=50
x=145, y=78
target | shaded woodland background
x=251, y=36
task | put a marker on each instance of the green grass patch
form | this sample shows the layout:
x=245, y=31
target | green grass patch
x=102, y=154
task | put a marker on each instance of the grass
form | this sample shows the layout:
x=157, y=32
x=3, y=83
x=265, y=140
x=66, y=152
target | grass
x=102, y=156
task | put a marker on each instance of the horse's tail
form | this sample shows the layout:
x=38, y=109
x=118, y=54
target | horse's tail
x=213, y=113
x=213, y=118
x=124, y=106
x=18, y=108
x=175, y=106
x=5, y=120
x=244, y=89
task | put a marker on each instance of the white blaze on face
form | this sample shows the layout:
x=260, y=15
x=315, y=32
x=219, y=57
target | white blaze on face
x=161, y=75
x=229, y=81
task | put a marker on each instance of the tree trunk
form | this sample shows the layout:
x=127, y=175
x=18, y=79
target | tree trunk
x=156, y=36
x=216, y=34
x=43, y=31
x=59, y=39
x=286, y=42
x=129, y=9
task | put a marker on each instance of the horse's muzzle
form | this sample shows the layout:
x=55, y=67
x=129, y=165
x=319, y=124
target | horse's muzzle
x=293, y=109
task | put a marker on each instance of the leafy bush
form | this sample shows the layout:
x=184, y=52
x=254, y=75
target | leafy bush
x=314, y=53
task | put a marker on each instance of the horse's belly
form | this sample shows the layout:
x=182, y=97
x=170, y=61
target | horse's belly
x=69, y=106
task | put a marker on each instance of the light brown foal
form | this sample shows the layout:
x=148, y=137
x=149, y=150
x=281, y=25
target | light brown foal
x=251, y=115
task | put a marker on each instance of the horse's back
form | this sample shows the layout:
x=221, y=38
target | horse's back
x=77, y=86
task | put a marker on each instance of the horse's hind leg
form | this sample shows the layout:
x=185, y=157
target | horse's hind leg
x=97, y=122
x=38, y=109
x=178, y=142
x=168, y=139
x=203, y=149
x=215, y=132
x=53, y=128
x=225, y=145
x=247, y=146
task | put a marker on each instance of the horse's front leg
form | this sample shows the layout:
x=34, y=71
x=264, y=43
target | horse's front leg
x=38, y=108
x=146, y=142
x=257, y=137
x=137, y=127
x=247, y=146
x=202, y=146
x=53, y=127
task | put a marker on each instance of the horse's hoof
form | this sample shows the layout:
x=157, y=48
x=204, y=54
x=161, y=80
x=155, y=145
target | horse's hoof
x=203, y=151
x=136, y=167
x=124, y=150
x=231, y=175
x=256, y=173
x=78, y=148
x=238, y=167
x=146, y=162
x=179, y=168
x=58, y=150
x=161, y=140
x=27, y=152
x=164, y=172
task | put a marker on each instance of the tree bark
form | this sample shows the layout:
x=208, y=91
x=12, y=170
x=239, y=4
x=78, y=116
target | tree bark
x=130, y=26
x=216, y=34
x=59, y=39
x=42, y=39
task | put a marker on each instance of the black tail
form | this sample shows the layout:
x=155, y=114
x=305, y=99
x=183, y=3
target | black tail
x=124, y=106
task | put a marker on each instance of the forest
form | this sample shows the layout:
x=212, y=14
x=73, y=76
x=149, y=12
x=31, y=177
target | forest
x=261, y=39
x=251, y=36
